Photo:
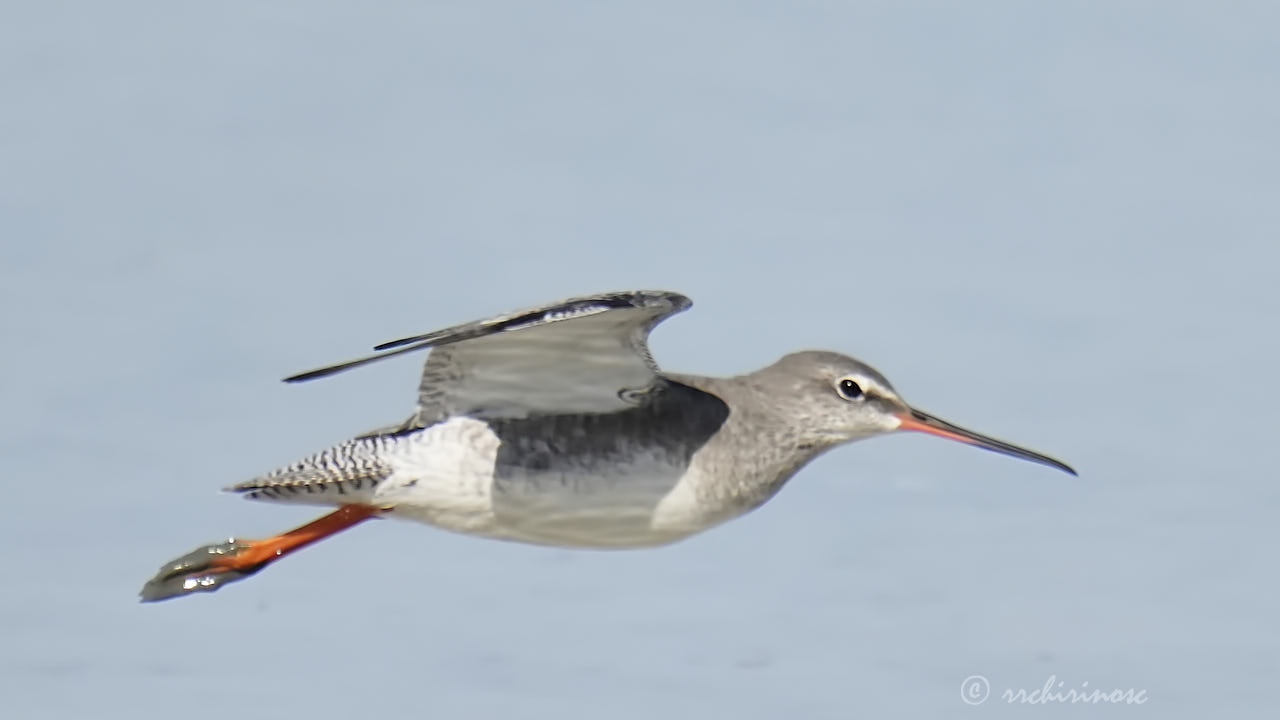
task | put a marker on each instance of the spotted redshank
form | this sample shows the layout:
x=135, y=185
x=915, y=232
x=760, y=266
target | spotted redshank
x=555, y=426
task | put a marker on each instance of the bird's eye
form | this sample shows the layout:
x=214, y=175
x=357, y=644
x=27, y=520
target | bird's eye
x=849, y=389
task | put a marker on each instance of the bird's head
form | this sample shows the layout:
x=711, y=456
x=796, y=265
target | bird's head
x=842, y=399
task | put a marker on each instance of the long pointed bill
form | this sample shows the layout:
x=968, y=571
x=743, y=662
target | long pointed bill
x=926, y=423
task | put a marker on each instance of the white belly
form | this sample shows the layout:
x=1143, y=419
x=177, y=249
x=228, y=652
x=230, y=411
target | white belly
x=447, y=476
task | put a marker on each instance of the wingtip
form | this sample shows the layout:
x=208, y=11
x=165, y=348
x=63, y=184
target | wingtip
x=396, y=343
x=302, y=377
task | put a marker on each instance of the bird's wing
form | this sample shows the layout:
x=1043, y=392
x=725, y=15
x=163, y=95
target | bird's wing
x=587, y=354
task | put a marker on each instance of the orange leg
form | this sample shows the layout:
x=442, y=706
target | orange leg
x=258, y=553
x=212, y=566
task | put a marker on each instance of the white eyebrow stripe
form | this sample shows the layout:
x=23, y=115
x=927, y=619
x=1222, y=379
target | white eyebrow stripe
x=871, y=387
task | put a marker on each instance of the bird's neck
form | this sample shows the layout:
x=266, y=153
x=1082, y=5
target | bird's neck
x=756, y=451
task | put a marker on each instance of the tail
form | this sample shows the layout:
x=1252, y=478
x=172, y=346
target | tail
x=344, y=474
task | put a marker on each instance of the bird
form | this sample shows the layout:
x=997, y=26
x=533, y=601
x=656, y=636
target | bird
x=555, y=426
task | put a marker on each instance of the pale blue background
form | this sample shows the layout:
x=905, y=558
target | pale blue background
x=1055, y=222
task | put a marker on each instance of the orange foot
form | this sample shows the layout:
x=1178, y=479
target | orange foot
x=212, y=566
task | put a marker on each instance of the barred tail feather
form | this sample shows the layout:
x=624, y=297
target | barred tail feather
x=343, y=474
